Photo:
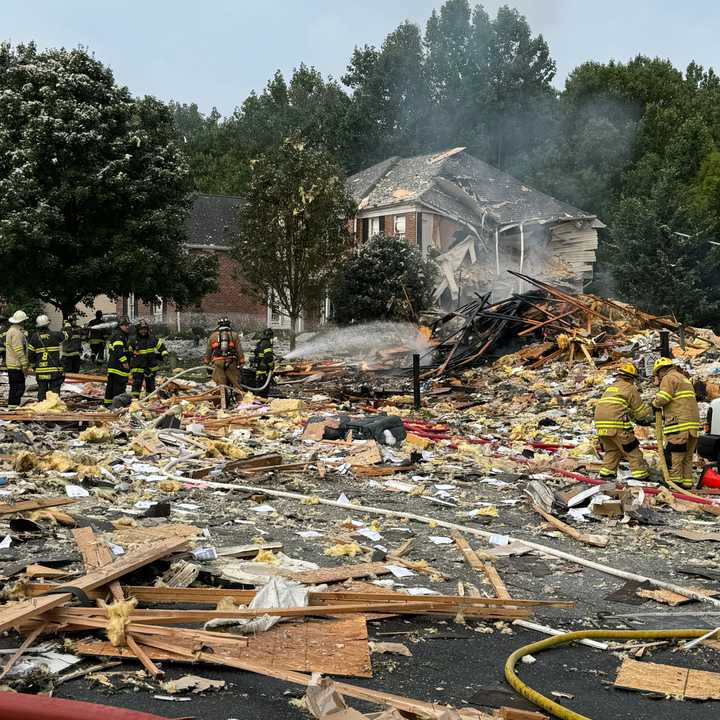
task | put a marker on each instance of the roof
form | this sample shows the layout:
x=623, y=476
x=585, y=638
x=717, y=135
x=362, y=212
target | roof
x=211, y=220
x=460, y=185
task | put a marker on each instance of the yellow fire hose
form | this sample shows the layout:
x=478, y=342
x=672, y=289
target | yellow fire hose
x=550, y=705
x=660, y=436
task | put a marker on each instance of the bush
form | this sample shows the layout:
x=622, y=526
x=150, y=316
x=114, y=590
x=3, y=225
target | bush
x=386, y=280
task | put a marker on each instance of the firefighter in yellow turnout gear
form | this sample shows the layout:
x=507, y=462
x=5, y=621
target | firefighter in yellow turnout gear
x=615, y=412
x=681, y=420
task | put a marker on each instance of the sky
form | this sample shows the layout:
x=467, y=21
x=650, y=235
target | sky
x=215, y=52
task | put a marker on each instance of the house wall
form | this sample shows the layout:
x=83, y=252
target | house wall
x=85, y=312
x=363, y=221
x=232, y=299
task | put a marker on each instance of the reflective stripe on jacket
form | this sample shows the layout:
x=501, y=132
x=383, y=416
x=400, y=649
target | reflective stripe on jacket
x=264, y=357
x=16, y=348
x=44, y=353
x=618, y=407
x=676, y=398
x=147, y=352
x=118, y=354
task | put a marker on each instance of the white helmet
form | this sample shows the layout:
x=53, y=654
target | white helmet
x=42, y=321
x=19, y=316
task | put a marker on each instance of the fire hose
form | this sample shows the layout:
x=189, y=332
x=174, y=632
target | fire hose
x=203, y=367
x=550, y=705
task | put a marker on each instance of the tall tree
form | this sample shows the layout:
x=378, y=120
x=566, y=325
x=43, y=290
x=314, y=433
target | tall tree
x=391, y=105
x=521, y=72
x=294, y=228
x=93, y=188
x=216, y=162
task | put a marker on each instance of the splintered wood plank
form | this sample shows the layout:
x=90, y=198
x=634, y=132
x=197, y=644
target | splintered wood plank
x=357, y=592
x=337, y=647
x=143, y=535
x=652, y=677
x=96, y=554
x=338, y=574
x=28, y=505
x=703, y=685
x=11, y=615
x=496, y=581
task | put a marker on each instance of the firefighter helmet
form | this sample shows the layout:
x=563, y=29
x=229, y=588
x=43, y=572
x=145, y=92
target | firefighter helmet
x=268, y=333
x=142, y=324
x=42, y=321
x=628, y=369
x=123, y=321
x=661, y=363
x=223, y=322
x=19, y=316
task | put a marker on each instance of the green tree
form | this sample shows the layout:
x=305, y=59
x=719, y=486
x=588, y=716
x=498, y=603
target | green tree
x=93, y=188
x=386, y=280
x=308, y=105
x=217, y=163
x=294, y=227
x=391, y=104
x=490, y=81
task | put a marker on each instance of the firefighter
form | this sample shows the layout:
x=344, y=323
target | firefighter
x=97, y=338
x=264, y=361
x=681, y=420
x=16, y=358
x=44, y=356
x=225, y=356
x=118, y=362
x=72, y=347
x=615, y=412
x=146, y=354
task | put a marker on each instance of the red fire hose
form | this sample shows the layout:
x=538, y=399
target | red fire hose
x=20, y=706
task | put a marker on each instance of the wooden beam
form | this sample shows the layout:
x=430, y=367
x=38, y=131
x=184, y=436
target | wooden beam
x=210, y=596
x=30, y=505
x=11, y=615
x=177, y=617
x=594, y=540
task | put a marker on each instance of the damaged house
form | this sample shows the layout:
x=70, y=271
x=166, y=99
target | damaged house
x=478, y=221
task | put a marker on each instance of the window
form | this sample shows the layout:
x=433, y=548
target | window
x=374, y=226
x=400, y=226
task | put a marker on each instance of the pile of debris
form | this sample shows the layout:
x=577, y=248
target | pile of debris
x=338, y=531
x=573, y=328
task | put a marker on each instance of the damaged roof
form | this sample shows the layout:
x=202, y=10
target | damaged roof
x=459, y=184
x=211, y=219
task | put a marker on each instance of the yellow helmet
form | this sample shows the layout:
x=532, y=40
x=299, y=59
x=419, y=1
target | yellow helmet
x=660, y=363
x=628, y=369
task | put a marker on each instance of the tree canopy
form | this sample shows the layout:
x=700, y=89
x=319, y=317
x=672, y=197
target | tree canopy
x=293, y=229
x=386, y=279
x=94, y=190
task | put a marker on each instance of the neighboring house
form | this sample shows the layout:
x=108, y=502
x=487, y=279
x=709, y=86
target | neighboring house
x=478, y=220
x=209, y=230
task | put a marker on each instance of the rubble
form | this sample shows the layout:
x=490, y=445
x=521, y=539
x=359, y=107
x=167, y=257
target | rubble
x=289, y=536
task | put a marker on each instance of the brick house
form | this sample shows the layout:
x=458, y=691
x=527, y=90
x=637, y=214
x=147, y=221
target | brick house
x=209, y=229
x=477, y=221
